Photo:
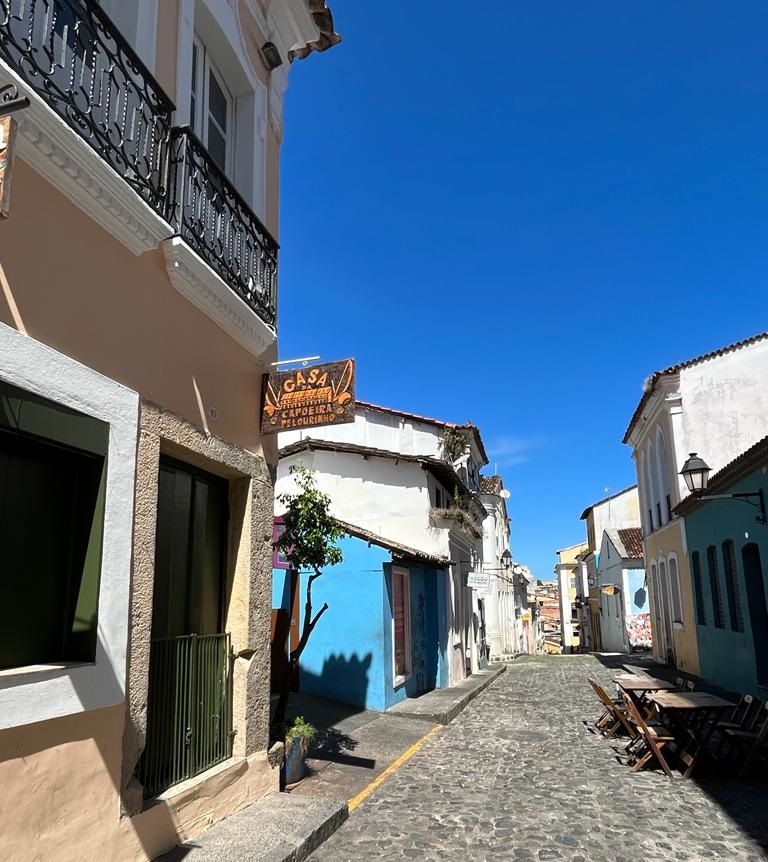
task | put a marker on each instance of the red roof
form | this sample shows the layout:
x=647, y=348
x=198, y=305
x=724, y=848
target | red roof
x=681, y=366
x=490, y=484
x=632, y=539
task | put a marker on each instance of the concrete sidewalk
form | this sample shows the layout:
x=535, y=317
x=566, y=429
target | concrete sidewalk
x=442, y=705
x=278, y=828
x=353, y=745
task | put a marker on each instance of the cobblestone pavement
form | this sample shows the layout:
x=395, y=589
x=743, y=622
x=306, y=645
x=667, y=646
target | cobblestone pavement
x=519, y=776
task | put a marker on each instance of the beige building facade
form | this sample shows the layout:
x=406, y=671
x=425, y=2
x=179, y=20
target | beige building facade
x=567, y=574
x=138, y=310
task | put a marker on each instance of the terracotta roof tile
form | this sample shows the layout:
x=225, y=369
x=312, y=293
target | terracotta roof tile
x=490, y=484
x=632, y=539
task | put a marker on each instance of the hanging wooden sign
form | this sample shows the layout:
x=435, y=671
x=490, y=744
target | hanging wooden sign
x=308, y=397
x=7, y=145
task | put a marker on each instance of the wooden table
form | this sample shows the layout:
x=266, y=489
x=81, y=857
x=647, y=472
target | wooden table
x=695, y=714
x=631, y=683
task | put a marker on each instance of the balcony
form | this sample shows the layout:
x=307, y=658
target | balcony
x=73, y=57
x=207, y=212
x=86, y=83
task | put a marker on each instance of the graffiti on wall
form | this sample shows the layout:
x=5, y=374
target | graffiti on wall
x=639, y=631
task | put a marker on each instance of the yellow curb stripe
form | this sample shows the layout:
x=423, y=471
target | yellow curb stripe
x=393, y=767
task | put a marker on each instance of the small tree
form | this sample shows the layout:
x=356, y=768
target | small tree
x=308, y=543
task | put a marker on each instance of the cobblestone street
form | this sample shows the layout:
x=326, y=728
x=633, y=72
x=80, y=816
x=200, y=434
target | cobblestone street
x=519, y=776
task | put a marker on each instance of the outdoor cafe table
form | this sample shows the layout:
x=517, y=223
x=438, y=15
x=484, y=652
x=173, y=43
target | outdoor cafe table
x=638, y=686
x=695, y=715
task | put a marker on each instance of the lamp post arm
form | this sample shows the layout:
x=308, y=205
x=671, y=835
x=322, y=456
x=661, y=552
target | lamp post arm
x=753, y=498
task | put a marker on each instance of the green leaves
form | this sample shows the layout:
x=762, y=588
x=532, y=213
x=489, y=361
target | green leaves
x=311, y=533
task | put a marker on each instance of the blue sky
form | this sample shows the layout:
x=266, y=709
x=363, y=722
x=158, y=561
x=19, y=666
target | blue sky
x=514, y=212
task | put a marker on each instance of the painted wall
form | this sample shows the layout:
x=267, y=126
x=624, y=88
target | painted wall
x=379, y=431
x=349, y=654
x=389, y=499
x=725, y=402
x=60, y=783
x=624, y=616
x=99, y=314
x=727, y=656
x=344, y=658
x=671, y=540
x=619, y=512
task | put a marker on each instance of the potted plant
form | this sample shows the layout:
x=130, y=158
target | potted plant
x=299, y=735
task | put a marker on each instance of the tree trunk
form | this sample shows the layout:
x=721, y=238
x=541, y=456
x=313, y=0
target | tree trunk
x=293, y=661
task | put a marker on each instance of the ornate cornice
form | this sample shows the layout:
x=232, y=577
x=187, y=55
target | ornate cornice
x=60, y=155
x=193, y=278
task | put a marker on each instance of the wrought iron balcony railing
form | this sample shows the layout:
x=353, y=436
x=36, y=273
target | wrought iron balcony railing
x=75, y=58
x=213, y=219
x=72, y=55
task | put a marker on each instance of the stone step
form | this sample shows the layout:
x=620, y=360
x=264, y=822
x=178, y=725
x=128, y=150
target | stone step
x=280, y=827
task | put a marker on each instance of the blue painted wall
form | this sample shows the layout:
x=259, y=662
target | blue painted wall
x=349, y=653
x=344, y=658
x=637, y=591
x=728, y=657
x=281, y=589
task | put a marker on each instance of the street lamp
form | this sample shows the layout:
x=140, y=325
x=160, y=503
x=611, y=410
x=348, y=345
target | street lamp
x=506, y=559
x=696, y=474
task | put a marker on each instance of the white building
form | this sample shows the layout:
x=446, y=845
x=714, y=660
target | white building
x=623, y=594
x=716, y=405
x=386, y=474
x=498, y=599
x=619, y=511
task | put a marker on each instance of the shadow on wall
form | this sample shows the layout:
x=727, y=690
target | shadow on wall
x=342, y=678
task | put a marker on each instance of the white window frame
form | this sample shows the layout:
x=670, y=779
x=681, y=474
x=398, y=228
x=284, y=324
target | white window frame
x=248, y=169
x=41, y=692
x=399, y=679
x=205, y=69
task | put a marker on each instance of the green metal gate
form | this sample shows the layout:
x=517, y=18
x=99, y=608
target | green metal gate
x=189, y=720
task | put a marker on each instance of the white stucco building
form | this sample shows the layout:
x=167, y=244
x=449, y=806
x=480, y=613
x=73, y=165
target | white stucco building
x=618, y=511
x=386, y=474
x=499, y=597
x=716, y=405
x=623, y=593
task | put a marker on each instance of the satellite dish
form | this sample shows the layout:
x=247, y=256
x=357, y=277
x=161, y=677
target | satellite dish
x=504, y=494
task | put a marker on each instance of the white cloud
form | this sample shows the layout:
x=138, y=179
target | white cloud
x=511, y=451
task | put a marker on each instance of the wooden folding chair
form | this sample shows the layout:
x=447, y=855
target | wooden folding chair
x=656, y=738
x=742, y=717
x=614, y=716
x=749, y=741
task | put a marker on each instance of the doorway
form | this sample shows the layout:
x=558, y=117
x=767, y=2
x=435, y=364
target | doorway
x=189, y=717
x=758, y=608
